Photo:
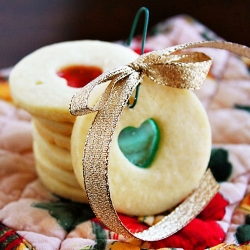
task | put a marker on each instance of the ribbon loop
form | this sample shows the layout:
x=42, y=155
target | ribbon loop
x=186, y=71
x=180, y=71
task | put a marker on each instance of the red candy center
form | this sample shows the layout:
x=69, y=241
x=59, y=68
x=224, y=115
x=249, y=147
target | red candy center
x=78, y=76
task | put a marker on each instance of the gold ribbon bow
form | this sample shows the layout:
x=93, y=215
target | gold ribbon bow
x=164, y=67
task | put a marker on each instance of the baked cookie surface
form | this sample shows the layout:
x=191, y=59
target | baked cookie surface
x=37, y=87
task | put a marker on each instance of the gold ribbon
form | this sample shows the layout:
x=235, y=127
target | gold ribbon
x=163, y=67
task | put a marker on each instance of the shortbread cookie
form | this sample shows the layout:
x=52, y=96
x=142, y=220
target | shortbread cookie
x=142, y=183
x=59, y=188
x=35, y=82
x=64, y=128
x=58, y=156
x=58, y=139
x=51, y=169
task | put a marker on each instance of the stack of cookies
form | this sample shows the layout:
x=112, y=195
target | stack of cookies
x=173, y=119
x=43, y=83
x=53, y=159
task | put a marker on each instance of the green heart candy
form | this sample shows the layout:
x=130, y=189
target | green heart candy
x=139, y=145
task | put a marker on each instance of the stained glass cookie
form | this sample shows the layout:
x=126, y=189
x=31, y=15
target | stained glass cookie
x=159, y=152
x=43, y=82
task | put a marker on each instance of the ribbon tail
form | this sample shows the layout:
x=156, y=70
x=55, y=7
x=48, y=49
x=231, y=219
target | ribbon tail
x=184, y=213
x=232, y=47
x=95, y=158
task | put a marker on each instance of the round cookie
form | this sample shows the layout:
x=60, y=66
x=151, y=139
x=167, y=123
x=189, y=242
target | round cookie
x=59, y=188
x=58, y=156
x=58, y=139
x=62, y=175
x=63, y=128
x=37, y=87
x=181, y=158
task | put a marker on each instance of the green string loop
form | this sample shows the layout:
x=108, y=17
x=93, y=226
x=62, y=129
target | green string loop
x=144, y=36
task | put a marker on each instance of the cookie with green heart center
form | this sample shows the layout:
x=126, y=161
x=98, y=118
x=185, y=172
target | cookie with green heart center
x=139, y=145
x=176, y=167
